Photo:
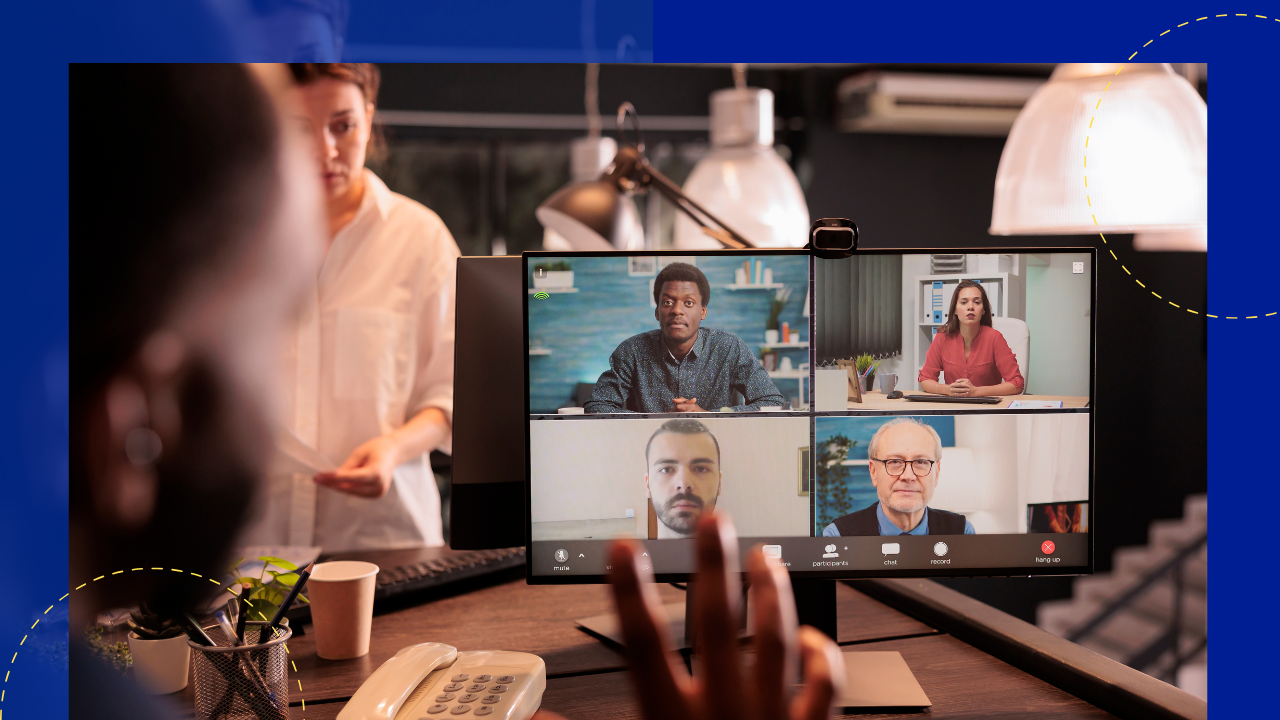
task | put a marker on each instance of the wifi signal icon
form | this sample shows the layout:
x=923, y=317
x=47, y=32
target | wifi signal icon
x=540, y=295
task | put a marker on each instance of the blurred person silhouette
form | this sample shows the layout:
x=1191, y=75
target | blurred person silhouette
x=187, y=267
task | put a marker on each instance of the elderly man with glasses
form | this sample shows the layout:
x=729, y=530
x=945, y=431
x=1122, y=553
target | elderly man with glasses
x=905, y=464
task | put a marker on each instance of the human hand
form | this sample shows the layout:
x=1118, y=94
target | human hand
x=722, y=689
x=1058, y=521
x=961, y=388
x=687, y=405
x=367, y=472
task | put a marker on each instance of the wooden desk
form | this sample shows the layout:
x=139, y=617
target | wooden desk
x=876, y=400
x=587, y=680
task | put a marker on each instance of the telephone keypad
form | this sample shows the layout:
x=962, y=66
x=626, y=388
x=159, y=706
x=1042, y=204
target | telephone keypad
x=498, y=688
x=460, y=709
x=484, y=710
x=507, y=679
x=469, y=698
x=437, y=709
x=453, y=687
x=475, y=688
x=460, y=677
x=483, y=678
x=446, y=697
x=490, y=699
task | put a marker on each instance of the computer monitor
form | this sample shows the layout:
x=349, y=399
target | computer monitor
x=821, y=403
x=487, y=503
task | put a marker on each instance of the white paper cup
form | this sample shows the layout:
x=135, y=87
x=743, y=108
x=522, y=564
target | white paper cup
x=162, y=666
x=341, y=594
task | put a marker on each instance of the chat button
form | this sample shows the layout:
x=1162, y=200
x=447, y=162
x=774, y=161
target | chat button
x=890, y=548
x=773, y=551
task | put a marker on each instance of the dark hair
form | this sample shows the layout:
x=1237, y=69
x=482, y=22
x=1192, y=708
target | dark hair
x=682, y=272
x=365, y=76
x=683, y=426
x=202, y=179
x=953, y=323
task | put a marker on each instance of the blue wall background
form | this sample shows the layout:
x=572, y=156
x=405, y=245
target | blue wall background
x=582, y=329
x=860, y=429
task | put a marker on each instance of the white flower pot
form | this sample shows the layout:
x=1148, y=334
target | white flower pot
x=161, y=666
x=771, y=336
x=554, y=279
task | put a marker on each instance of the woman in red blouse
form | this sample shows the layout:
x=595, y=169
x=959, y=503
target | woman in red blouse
x=972, y=356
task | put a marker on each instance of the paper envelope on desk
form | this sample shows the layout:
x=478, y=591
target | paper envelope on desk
x=294, y=456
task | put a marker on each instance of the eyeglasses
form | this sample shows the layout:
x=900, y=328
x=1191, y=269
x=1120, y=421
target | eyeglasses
x=897, y=467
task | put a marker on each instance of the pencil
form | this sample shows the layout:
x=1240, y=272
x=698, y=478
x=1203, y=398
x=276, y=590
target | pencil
x=242, y=613
x=288, y=601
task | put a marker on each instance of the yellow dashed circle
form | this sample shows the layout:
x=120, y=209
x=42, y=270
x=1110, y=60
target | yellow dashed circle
x=14, y=659
x=1085, y=164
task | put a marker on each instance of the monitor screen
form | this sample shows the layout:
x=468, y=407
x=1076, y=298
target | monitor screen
x=894, y=413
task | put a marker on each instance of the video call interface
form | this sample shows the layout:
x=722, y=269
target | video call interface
x=890, y=413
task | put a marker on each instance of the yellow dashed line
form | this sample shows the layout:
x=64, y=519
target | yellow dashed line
x=46, y=612
x=1113, y=255
x=1193, y=312
x=1206, y=17
x=176, y=570
x=1095, y=219
x=157, y=568
x=139, y=569
x=1108, y=87
x=1126, y=270
x=1232, y=318
x=1149, y=42
x=1270, y=314
x=64, y=597
x=77, y=587
x=1211, y=315
x=34, y=624
x=117, y=572
x=99, y=578
x=295, y=665
x=1153, y=292
x=1095, y=107
x=1166, y=32
x=1135, y=52
x=1139, y=283
x=215, y=582
x=1086, y=197
x=1175, y=304
x=23, y=641
x=299, y=686
x=15, y=659
x=197, y=575
x=1251, y=317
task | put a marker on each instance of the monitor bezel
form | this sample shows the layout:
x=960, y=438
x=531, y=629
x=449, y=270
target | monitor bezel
x=941, y=571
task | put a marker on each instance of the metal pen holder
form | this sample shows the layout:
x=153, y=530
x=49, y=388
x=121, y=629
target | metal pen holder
x=242, y=682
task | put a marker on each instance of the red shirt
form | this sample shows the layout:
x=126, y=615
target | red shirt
x=990, y=359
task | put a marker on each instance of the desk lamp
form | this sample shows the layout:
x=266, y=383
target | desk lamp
x=591, y=214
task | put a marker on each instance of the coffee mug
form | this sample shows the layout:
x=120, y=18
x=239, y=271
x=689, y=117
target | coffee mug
x=888, y=382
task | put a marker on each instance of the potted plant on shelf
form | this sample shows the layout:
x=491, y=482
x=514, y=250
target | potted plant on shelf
x=776, y=306
x=861, y=364
x=161, y=656
x=558, y=274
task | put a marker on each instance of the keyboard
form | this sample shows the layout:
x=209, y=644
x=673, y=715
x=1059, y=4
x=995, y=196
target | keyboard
x=406, y=571
x=954, y=399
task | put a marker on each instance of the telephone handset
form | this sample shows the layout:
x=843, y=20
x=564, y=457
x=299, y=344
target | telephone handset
x=433, y=679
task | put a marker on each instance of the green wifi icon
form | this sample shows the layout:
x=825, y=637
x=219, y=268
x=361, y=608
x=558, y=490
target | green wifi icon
x=540, y=295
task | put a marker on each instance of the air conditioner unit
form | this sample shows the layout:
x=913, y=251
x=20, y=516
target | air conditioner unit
x=893, y=102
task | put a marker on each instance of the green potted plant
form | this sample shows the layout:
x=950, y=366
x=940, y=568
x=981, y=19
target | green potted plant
x=861, y=363
x=776, y=306
x=266, y=594
x=558, y=274
x=161, y=656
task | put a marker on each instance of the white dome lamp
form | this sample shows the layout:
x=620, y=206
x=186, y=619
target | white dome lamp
x=1144, y=170
x=743, y=179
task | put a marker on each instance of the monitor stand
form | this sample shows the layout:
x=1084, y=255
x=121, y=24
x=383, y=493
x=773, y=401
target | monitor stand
x=879, y=680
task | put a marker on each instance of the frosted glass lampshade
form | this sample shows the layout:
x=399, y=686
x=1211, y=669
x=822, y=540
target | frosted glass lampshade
x=1147, y=155
x=743, y=180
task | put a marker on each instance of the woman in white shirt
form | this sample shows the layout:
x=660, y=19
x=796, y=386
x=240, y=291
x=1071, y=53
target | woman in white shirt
x=371, y=364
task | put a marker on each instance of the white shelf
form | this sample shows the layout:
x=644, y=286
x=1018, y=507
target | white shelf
x=554, y=290
x=754, y=286
x=539, y=351
x=792, y=344
x=790, y=374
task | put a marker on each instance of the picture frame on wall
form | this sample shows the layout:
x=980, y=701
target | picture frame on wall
x=642, y=266
x=769, y=359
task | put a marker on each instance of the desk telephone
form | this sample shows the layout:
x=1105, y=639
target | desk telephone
x=435, y=680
